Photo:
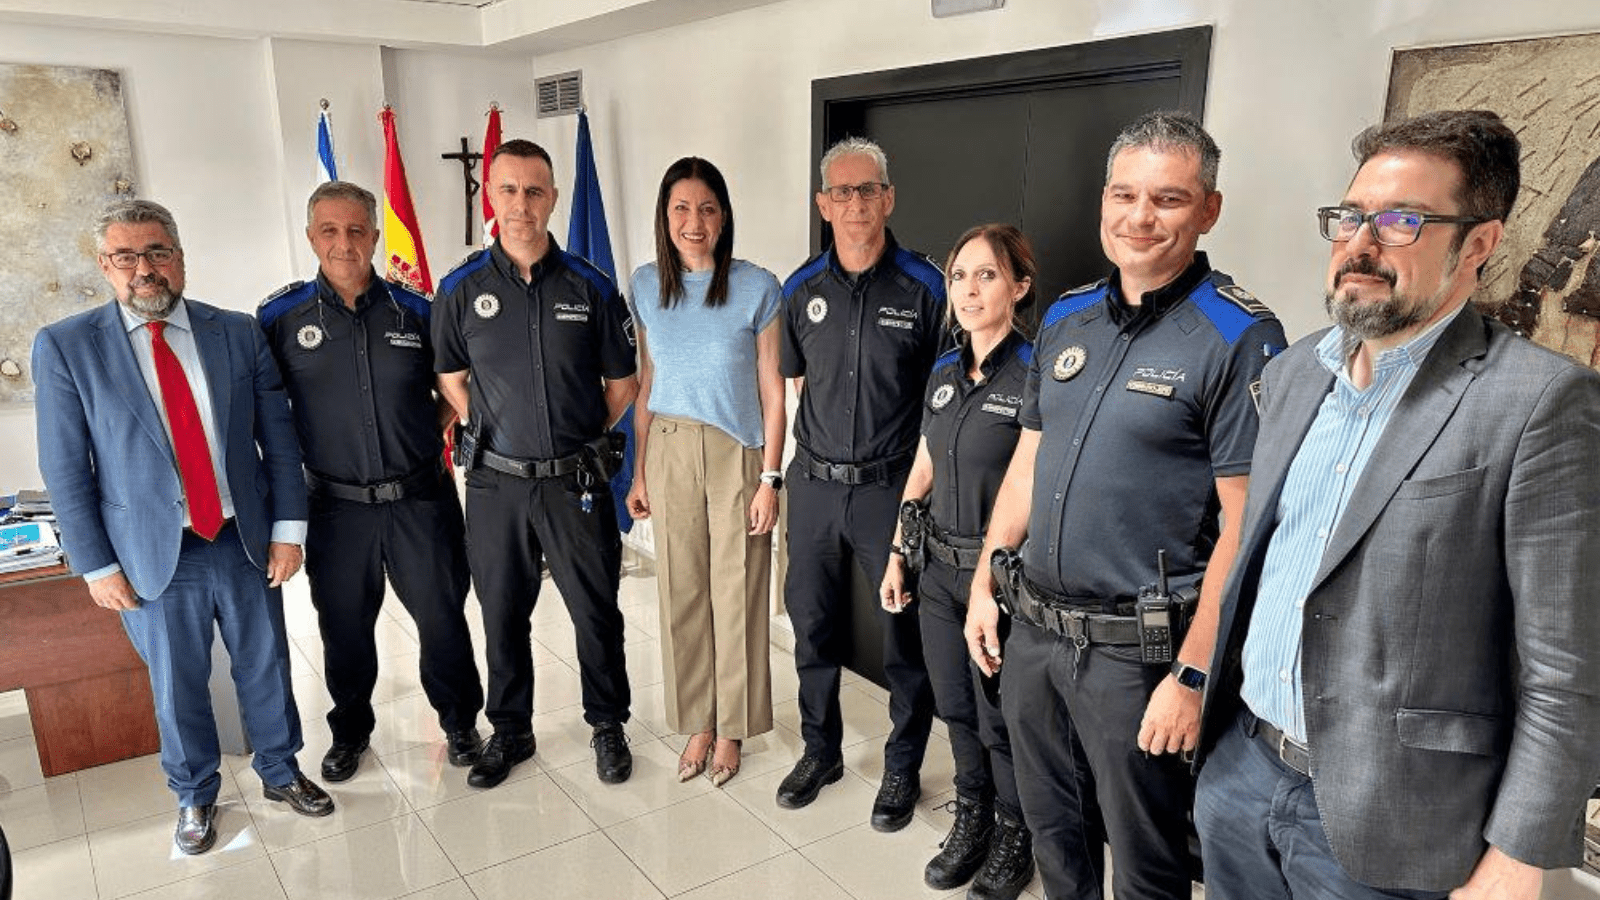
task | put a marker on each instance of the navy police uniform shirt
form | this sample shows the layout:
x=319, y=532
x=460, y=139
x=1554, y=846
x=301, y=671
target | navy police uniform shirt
x=1141, y=409
x=360, y=380
x=537, y=350
x=864, y=346
x=972, y=431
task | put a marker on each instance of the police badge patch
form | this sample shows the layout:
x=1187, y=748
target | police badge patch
x=487, y=306
x=941, y=397
x=310, y=337
x=817, y=309
x=1070, y=363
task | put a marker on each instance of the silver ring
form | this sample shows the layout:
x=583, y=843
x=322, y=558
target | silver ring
x=992, y=650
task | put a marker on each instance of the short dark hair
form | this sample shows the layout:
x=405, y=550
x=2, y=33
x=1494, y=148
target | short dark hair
x=1481, y=145
x=343, y=190
x=524, y=149
x=1166, y=130
x=669, y=264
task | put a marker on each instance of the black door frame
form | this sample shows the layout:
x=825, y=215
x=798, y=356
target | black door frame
x=838, y=104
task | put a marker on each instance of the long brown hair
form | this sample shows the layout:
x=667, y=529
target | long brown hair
x=1012, y=248
x=669, y=264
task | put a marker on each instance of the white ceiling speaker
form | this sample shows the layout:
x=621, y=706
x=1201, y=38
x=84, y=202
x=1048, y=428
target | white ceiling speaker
x=944, y=8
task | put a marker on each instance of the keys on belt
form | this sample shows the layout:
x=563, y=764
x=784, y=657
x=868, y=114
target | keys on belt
x=1289, y=751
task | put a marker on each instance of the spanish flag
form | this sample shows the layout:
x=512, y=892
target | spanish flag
x=491, y=140
x=402, y=239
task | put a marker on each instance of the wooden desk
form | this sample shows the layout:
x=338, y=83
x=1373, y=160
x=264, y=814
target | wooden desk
x=88, y=692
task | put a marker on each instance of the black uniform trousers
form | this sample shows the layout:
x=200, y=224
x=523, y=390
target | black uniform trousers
x=978, y=737
x=830, y=524
x=511, y=523
x=1074, y=726
x=418, y=542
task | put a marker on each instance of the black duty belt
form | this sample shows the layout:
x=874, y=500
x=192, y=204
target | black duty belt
x=410, y=485
x=533, y=468
x=956, y=552
x=1081, y=625
x=853, y=473
x=1289, y=751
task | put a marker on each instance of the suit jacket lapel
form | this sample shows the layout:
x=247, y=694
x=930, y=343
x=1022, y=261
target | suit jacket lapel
x=212, y=346
x=1423, y=411
x=116, y=353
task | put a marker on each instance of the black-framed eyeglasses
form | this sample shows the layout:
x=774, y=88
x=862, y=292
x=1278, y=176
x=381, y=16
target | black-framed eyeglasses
x=128, y=259
x=866, y=190
x=1390, y=227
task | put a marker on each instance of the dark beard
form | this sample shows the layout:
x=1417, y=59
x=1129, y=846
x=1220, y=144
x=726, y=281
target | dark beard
x=1370, y=321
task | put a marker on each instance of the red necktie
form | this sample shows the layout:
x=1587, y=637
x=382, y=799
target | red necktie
x=188, y=438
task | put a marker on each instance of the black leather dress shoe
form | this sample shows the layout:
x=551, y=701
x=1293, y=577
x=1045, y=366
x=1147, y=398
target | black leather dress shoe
x=463, y=747
x=503, y=751
x=613, y=761
x=303, y=796
x=806, y=780
x=897, y=800
x=197, y=828
x=342, y=760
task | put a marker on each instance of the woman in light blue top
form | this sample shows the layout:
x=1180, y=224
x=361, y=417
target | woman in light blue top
x=710, y=422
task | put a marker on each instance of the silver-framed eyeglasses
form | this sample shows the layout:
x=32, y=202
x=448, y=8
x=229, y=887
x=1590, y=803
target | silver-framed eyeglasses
x=129, y=259
x=1390, y=227
x=866, y=190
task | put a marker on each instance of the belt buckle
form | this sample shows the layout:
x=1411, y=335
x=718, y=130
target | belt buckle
x=1076, y=625
x=839, y=472
x=387, y=492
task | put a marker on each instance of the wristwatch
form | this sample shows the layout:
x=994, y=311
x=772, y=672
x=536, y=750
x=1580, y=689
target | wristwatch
x=1188, y=676
x=773, y=479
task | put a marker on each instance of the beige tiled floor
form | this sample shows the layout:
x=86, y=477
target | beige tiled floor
x=408, y=826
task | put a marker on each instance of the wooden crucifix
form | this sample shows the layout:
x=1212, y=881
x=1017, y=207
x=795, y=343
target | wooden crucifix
x=471, y=185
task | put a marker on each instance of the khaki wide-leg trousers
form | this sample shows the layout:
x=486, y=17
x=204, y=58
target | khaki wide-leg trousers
x=713, y=578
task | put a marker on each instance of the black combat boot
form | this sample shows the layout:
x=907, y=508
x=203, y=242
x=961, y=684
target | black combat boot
x=963, y=851
x=1009, y=867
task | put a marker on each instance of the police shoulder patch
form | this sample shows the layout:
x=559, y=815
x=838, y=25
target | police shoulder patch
x=1244, y=300
x=284, y=299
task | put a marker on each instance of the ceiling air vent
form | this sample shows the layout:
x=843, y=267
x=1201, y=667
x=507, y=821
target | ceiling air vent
x=559, y=95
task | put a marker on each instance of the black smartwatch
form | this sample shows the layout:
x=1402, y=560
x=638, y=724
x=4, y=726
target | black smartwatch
x=1188, y=676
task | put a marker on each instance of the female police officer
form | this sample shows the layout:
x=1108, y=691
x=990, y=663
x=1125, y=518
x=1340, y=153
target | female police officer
x=969, y=430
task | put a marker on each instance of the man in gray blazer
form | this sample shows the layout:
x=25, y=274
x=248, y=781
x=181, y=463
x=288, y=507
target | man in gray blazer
x=166, y=443
x=1405, y=694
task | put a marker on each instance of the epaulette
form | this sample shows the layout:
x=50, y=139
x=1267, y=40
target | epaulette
x=1075, y=300
x=284, y=299
x=805, y=273
x=1025, y=353
x=406, y=297
x=473, y=261
x=945, y=360
x=1230, y=309
x=922, y=268
x=589, y=272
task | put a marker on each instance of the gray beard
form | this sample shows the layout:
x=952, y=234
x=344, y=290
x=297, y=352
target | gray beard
x=155, y=307
x=1369, y=321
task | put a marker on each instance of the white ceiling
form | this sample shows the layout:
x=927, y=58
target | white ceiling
x=522, y=26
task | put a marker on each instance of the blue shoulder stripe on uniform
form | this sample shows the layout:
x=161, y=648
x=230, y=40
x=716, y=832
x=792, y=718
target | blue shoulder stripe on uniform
x=469, y=265
x=589, y=272
x=1072, y=302
x=1225, y=315
x=948, y=359
x=807, y=270
x=919, y=267
x=284, y=300
x=1025, y=353
x=411, y=300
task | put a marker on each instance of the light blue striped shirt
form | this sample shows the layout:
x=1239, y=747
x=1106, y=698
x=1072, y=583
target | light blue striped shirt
x=1316, y=490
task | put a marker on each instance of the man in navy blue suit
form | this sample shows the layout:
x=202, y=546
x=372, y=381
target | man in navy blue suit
x=166, y=444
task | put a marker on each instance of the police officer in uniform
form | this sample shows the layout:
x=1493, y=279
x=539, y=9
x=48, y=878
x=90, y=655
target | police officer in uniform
x=535, y=352
x=969, y=431
x=863, y=324
x=357, y=359
x=1138, y=425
